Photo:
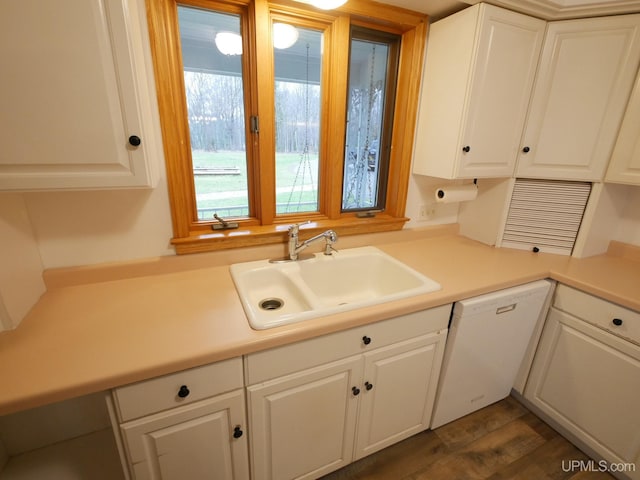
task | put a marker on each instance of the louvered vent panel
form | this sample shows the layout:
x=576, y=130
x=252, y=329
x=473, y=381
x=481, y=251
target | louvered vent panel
x=545, y=214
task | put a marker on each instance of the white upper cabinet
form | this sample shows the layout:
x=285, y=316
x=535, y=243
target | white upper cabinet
x=78, y=108
x=625, y=160
x=478, y=75
x=587, y=68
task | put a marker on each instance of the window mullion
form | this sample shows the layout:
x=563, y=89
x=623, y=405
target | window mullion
x=264, y=82
x=334, y=114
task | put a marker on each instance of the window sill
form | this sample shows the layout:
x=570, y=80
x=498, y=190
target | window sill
x=263, y=235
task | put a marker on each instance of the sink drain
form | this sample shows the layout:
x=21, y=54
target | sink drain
x=271, y=303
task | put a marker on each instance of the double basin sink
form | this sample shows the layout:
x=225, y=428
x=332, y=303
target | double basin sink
x=275, y=294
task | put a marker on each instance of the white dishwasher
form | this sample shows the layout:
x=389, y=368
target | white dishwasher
x=488, y=337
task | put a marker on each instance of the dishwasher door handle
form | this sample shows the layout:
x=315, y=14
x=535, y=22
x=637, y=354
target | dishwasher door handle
x=506, y=308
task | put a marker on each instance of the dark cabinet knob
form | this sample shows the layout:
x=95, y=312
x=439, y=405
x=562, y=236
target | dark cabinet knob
x=183, y=392
x=366, y=340
x=134, y=141
x=526, y=150
x=368, y=385
x=356, y=391
x=466, y=149
x=617, y=322
x=535, y=249
x=237, y=432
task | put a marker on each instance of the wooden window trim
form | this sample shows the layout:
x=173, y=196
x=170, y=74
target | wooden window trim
x=191, y=236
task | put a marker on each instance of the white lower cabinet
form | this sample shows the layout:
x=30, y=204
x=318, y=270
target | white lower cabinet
x=178, y=434
x=586, y=376
x=317, y=405
x=303, y=425
x=197, y=441
x=399, y=386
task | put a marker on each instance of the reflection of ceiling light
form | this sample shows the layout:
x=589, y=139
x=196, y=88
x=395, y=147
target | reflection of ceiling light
x=229, y=43
x=327, y=4
x=284, y=35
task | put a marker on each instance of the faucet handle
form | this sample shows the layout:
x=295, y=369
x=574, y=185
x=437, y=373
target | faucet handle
x=293, y=229
x=330, y=238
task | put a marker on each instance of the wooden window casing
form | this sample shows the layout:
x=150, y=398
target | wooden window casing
x=263, y=227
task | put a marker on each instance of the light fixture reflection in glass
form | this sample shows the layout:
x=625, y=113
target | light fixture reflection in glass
x=284, y=35
x=327, y=4
x=229, y=43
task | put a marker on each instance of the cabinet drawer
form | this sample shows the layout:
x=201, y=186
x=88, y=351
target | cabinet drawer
x=161, y=393
x=599, y=312
x=273, y=363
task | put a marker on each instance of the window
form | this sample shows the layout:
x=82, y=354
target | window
x=273, y=115
x=371, y=92
x=211, y=47
x=298, y=94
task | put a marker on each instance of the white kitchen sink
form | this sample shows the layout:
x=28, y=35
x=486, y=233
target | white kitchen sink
x=275, y=294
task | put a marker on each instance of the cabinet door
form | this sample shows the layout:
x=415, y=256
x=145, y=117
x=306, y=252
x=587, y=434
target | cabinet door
x=74, y=90
x=587, y=68
x=478, y=75
x=625, y=160
x=197, y=441
x=398, y=392
x=589, y=381
x=303, y=424
x=507, y=52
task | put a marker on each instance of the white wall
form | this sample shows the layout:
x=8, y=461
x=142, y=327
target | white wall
x=610, y=215
x=20, y=266
x=82, y=228
x=628, y=229
x=422, y=192
x=90, y=227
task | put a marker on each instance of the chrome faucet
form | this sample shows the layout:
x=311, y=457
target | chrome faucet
x=295, y=248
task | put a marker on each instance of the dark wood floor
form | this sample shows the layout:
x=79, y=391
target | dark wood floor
x=504, y=441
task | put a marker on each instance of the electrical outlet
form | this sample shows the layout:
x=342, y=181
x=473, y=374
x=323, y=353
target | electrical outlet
x=427, y=211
